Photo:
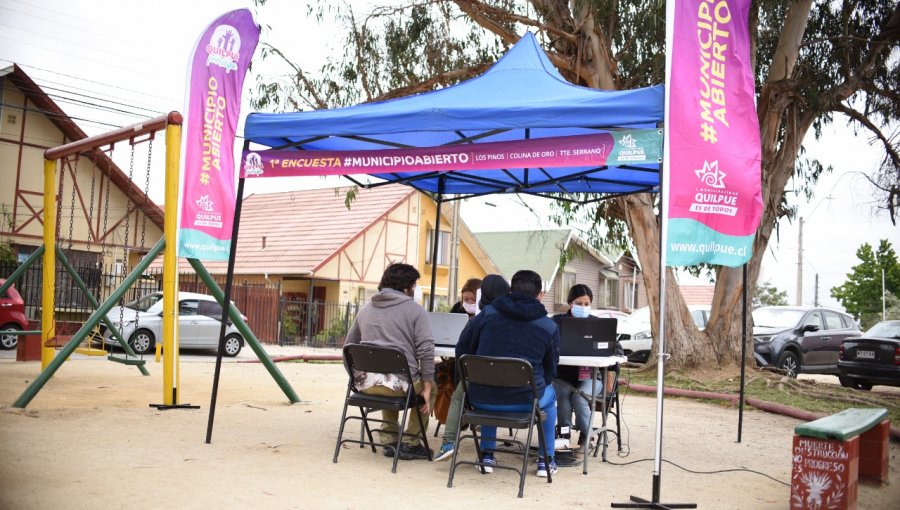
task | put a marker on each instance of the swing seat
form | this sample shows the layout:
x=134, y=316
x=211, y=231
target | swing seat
x=91, y=351
x=126, y=360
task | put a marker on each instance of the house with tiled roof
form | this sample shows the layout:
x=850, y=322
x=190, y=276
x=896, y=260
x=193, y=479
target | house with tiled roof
x=98, y=206
x=326, y=255
x=543, y=252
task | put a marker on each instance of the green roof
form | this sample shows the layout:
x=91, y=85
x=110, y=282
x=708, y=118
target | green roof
x=538, y=250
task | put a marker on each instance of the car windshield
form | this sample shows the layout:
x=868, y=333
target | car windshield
x=776, y=317
x=885, y=330
x=143, y=304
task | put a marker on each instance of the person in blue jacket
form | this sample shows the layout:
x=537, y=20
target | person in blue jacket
x=516, y=326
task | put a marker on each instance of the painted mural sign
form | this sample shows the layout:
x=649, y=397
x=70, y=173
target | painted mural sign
x=825, y=474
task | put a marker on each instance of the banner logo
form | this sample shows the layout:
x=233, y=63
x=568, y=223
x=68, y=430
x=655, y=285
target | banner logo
x=224, y=48
x=711, y=175
x=205, y=204
x=253, y=165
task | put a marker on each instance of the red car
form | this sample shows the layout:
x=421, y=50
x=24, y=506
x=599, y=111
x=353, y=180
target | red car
x=12, y=316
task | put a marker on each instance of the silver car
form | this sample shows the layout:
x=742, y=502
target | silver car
x=199, y=323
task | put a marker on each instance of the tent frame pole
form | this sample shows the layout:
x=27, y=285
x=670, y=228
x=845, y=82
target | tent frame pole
x=435, y=240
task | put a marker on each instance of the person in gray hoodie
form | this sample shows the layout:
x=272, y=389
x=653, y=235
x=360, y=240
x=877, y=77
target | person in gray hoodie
x=393, y=319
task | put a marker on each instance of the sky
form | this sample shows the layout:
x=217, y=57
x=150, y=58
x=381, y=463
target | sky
x=99, y=59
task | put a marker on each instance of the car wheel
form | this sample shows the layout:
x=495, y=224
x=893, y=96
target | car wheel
x=790, y=364
x=9, y=342
x=864, y=385
x=846, y=382
x=233, y=345
x=142, y=341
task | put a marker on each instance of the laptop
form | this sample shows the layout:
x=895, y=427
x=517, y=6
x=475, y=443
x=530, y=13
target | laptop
x=447, y=327
x=590, y=336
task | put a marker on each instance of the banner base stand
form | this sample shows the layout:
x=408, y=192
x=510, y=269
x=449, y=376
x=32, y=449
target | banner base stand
x=166, y=407
x=637, y=502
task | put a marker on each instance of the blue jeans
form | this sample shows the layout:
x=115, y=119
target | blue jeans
x=548, y=405
x=569, y=398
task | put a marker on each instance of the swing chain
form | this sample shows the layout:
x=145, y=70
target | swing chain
x=90, y=217
x=146, y=190
x=72, y=204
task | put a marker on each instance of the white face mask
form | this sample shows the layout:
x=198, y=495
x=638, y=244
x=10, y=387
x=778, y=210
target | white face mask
x=581, y=311
x=470, y=308
x=417, y=294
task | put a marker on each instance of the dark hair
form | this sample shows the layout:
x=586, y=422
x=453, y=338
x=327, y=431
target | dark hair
x=578, y=290
x=399, y=276
x=471, y=285
x=527, y=282
x=493, y=287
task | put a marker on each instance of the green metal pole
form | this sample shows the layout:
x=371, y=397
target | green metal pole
x=21, y=269
x=109, y=324
x=251, y=339
x=32, y=390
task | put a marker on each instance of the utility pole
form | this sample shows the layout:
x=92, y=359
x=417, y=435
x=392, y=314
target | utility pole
x=799, y=300
x=816, y=299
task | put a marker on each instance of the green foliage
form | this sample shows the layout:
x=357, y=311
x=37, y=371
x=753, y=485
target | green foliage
x=860, y=295
x=766, y=294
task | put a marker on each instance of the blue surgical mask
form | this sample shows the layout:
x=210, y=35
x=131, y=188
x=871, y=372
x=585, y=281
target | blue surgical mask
x=581, y=311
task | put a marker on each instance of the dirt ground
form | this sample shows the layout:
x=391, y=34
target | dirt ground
x=89, y=440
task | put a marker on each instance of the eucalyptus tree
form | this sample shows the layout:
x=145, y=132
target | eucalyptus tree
x=815, y=62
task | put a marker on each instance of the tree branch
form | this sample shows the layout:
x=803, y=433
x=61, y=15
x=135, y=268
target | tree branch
x=300, y=78
x=862, y=119
x=437, y=79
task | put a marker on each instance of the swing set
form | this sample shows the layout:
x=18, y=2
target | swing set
x=90, y=331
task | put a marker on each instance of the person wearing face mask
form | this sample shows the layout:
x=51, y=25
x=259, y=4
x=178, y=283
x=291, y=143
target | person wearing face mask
x=572, y=383
x=467, y=304
x=393, y=319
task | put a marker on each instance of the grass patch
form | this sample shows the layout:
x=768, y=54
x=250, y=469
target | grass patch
x=771, y=387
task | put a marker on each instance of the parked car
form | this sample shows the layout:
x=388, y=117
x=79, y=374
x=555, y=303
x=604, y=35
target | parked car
x=634, y=333
x=800, y=339
x=873, y=358
x=609, y=314
x=12, y=316
x=199, y=323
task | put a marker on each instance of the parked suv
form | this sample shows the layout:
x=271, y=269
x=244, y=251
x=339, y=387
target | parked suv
x=199, y=323
x=12, y=316
x=800, y=338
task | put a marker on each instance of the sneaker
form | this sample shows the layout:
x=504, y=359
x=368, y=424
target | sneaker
x=543, y=467
x=489, y=462
x=446, y=452
x=388, y=451
x=410, y=452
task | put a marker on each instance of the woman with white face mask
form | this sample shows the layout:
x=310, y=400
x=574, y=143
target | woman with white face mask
x=572, y=383
x=467, y=304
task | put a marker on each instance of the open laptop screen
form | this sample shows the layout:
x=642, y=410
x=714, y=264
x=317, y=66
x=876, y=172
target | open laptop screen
x=590, y=336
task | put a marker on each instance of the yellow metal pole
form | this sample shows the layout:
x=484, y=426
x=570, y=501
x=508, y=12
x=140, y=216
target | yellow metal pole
x=48, y=294
x=170, y=268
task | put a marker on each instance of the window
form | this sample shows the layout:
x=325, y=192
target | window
x=443, y=253
x=833, y=321
x=612, y=293
x=813, y=319
x=188, y=307
x=565, y=282
x=210, y=309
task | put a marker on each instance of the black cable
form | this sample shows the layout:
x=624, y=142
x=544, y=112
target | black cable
x=718, y=471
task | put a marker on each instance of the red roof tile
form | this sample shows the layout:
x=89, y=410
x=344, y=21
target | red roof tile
x=303, y=228
x=697, y=294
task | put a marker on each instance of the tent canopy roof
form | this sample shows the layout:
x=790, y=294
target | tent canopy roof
x=521, y=96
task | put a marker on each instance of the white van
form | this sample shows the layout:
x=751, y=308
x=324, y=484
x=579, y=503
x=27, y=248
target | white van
x=634, y=331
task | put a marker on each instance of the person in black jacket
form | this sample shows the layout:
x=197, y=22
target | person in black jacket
x=516, y=326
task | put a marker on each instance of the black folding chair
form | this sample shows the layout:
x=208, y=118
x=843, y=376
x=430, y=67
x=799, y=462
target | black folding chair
x=502, y=373
x=610, y=406
x=381, y=360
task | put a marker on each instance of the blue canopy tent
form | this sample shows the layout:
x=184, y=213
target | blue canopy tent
x=520, y=97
